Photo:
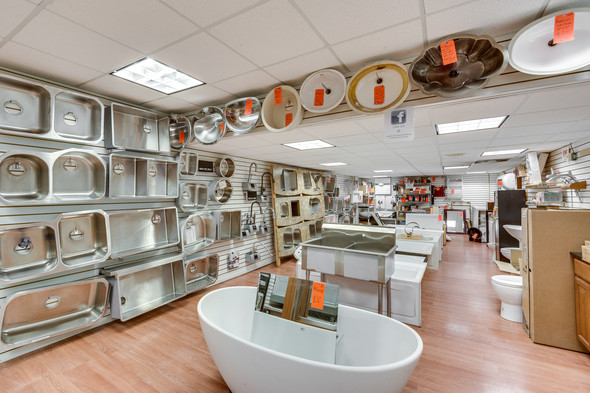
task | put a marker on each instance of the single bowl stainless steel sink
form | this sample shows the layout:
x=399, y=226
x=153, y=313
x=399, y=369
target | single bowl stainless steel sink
x=78, y=116
x=39, y=314
x=27, y=250
x=197, y=232
x=84, y=237
x=79, y=174
x=137, y=129
x=26, y=107
x=188, y=163
x=201, y=272
x=23, y=178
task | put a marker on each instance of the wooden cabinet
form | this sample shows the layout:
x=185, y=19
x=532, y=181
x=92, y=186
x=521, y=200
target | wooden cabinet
x=582, y=291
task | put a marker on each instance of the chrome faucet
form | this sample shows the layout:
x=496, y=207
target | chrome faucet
x=253, y=217
x=411, y=232
x=567, y=178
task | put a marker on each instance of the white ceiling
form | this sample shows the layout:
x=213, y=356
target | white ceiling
x=247, y=47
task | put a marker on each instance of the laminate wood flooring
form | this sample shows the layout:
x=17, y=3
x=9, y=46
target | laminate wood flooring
x=467, y=346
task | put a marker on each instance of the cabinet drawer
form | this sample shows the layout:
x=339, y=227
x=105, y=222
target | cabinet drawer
x=582, y=269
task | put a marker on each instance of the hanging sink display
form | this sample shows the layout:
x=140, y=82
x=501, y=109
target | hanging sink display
x=323, y=91
x=179, y=131
x=281, y=109
x=377, y=87
x=479, y=58
x=243, y=114
x=209, y=126
x=533, y=51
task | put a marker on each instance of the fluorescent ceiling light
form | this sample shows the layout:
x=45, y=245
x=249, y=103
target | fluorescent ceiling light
x=308, y=145
x=502, y=152
x=383, y=170
x=380, y=176
x=333, y=163
x=456, y=167
x=155, y=75
x=470, y=125
x=476, y=172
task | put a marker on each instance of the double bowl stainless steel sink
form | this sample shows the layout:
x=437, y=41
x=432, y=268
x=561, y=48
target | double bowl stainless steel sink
x=30, y=251
x=192, y=196
x=51, y=178
x=34, y=109
x=142, y=177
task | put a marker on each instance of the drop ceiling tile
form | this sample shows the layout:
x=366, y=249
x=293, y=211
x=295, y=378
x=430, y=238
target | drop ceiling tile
x=478, y=138
x=395, y=43
x=32, y=61
x=518, y=141
x=558, y=5
x=353, y=140
x=332, y=129
x=37, y=2
x=432, y=6
x=144, y=25
x=422, y=118
x=252, y=83
x=551, y=99
x=483, y=17
x=246, y=141
x=114, y=87
x=569, y=136
x=206, y=95
x=204, y=13
x=371, y=123
x=547, y=117
x=339, y=20
x=295, y=70
x=371, y=147
x=171, y=104
x=57, y=36
x=477, y=109
x=375, y=154
x=284, y=137
x=205, y=58
x=13, y=13
x=540, y=129
x=582, y=125
x=263, y=38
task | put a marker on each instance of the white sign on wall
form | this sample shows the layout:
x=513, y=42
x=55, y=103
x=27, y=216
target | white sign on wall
x=399, y=125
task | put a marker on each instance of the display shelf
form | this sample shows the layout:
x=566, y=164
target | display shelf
x=579, y=185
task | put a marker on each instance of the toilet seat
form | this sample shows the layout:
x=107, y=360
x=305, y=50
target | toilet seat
x=508, y=281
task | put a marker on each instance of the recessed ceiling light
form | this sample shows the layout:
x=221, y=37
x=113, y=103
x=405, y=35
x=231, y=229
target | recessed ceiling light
x=383, y=171
x=502, y=152
x=308, y=145
x=470, y=125
x=333, y=163
x=380, y=176
x=155, y=75
x=456, y=167
x=476, y=172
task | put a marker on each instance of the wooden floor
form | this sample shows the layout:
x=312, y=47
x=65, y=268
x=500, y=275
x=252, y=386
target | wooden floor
x=467, y=346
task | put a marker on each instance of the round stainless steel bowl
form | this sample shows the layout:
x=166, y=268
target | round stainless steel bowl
x=243, y=114
x=224, y=167
x=209, y=125
x=179, y=131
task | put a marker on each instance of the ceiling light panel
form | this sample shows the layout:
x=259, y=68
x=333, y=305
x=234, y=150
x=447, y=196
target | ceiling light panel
x=470, y=125
x=456, y=167
x=333, y=164
x=502, y=152
x=308, y=145
x=383, y=170
x=155, y=75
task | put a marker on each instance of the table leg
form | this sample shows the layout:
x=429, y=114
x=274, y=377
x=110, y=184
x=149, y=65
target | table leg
x=380, y=299
x=388, y=295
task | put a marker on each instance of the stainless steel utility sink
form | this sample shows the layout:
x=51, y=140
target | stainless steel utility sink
x=197, y=231
x=188, y=163
x=142, y=177
x=137, y=129
x=201, y=272
x=79, y=175
x=135, y=231
x=78, y=116
x=229, y=224
x=27, y=250
x=26, y=107
x=84, y=238
x=38, y=314
x=23, y=178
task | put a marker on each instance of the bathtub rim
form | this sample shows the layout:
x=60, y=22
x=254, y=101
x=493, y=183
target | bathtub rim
x=413, y=357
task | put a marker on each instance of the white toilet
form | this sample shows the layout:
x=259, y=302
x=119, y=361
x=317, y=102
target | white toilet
x=509, y=290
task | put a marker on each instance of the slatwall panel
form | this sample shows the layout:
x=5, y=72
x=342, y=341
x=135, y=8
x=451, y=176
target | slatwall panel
x=346, y=184
x=579, y=168
x=479, y=189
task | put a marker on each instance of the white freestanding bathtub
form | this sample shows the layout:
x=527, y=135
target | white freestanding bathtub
x=375, y=354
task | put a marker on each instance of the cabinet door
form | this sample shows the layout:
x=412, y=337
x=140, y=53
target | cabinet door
x=582, y=289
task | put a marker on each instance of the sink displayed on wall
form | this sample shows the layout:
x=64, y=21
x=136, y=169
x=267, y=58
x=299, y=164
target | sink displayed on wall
x=229, y=224
x=201, y=272
x=131, y=128
x=133, y=176
x=23, y=178
x=78, y=116
x=38, y=314
x=83, y=237
x=192, y=196
x=197, y=231
x=79, y=175
x=188, y=163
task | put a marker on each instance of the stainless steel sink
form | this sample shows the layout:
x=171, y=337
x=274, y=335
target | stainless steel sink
x=229, y=224
x=188, y=163
x=137, y=129
x=313, y=183
x=78, y=116
x=192, y=196
x=145, y=285
x=142, y=177
x=23, y=178
x=201, y=272
x=84, y=237
x=27, y=250
x=135, y=231
x=26, y=107
x=289, y=210
x=79, y=175
x=197, y=232
x=313, y=207
x=38, y=314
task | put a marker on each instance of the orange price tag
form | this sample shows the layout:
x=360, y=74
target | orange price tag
x=460, y=214
x=329, y=180
x=563, y=29
x=248, y=107
x=278, y=95
x=474, y=236
x=499, y=182
x=379, y=95
x=433, y=178
x=423, y=191
x=288, y=119
x=329, y=200
x=221, y=127
x=452, y=191
x=317, y=295
x=181, y=137
x=319, y=97
x=440, y=217
x=448, y=52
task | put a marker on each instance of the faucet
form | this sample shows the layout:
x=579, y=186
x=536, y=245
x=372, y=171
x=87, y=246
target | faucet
x=567, y=178
x=253, y=217
x=411, y=232
x=262, y=183
x=250, y=171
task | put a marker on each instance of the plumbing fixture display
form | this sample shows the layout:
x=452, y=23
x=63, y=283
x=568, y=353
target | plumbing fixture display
x=250, y=225
x=137, y=129
x=192, y=196
x=478, y=59
x=197, y=232
x=289, y=210
x=38, y=314
x=224, y=167
x=243, y=114
x=51, y=178
x=249, y=188
x=261, y=196
x=220, y=190
x=286, y=181
x=281, y=109
x=179, y=131
x=143, y=286
x=289, y=238
x=83, y=238
x=209, y=125
x=189, y=163
x=378, y=87
x=323, y=91
x=44, y=111
x=142, y=177
x=229, y=224
x=201, y=272
x=312, y=182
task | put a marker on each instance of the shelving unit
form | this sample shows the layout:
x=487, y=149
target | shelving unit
x=532, y=189
x=412, y=196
